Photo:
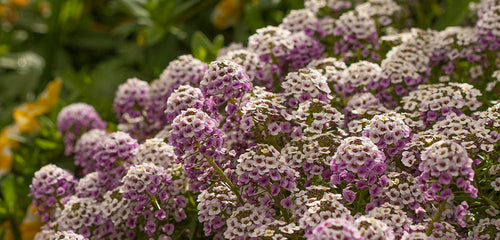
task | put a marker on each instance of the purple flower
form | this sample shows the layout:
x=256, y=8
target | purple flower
x=349, y=195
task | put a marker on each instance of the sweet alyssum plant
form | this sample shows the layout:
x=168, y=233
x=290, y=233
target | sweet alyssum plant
x=324, y=127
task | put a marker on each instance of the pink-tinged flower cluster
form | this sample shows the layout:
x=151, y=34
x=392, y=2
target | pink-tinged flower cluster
x=195, y=131
x=76, y=119
x=372, y=228
x=388, y=132
x=86, y=148
x=307, y=133
x=271, y=43
x=155, y=151
x=156, y=202
x=487, y=25
x=117, y=149
x=332, y=69
x=445, y=164
x=319, y=117
x=183, y=98
x=225, y=82
x=335, y=229
x=50, y=188
x=263, y=175
x=185, y=70
x=358, y=37
x=258, y=71
x=267, y=120
x=383, y=11
x=305, y=85
x=59, y=235
x=431, y=103
x=305, y=49
x=213, y=203
x=359, y=162
x=394, y=217
x=311, y=156
x=130, y=100
x=84, y=216
x=300, y=20
x=401, y=190
x=88, y=186
x=316, y=204
x=359, y=77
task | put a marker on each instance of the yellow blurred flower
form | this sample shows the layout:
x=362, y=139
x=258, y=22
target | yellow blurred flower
x=29, y=227
x=21, y=3
x=25, y=117
x=227, y=13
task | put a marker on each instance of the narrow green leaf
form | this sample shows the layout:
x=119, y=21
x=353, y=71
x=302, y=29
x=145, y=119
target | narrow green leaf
x=136, y=7
x=218, y=43
x=200, y=46
x=454, y=14
x=45, y=144
x=9, y=192
x=154, y=34
x=4, y=210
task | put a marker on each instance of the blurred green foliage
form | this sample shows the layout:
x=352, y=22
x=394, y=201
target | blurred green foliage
x=96, y=45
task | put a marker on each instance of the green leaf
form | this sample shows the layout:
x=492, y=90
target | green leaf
x=4, y=210
x=154, y=34
x=200, y=46
x=136, y=7
x=454, y=14
x=9, y=192
x=184, y=6
x=253, y=17
x=45, y=144
x=218, y=43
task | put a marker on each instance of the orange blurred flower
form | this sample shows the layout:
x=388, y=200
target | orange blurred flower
x=25, y=117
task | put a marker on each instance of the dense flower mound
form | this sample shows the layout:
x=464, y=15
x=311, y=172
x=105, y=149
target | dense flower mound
x=76, y=119
x=86, y=148
x=335, y=229
x=445, y=163
x=59, y=235
x=130, y=99
x=50, y=189
x=183, y=98
x=117, y=149
x=340, y=123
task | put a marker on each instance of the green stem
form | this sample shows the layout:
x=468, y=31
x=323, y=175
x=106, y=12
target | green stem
x=226, y=179
x=442, y=206
x=479, y=192
x=155, y=202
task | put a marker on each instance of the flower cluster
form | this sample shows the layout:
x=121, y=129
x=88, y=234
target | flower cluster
x=86, y=148
x=445, y=163
x=116, y=150
x=388, y=132
x=76, y=119
x=50, y=189
x=359, y=162
x=183, y=98
x=154, y=200
x=263, y=175
x=304, y=85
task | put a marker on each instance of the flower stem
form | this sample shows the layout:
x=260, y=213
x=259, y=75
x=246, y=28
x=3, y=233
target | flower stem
x=226, y=179
x=442, y=206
